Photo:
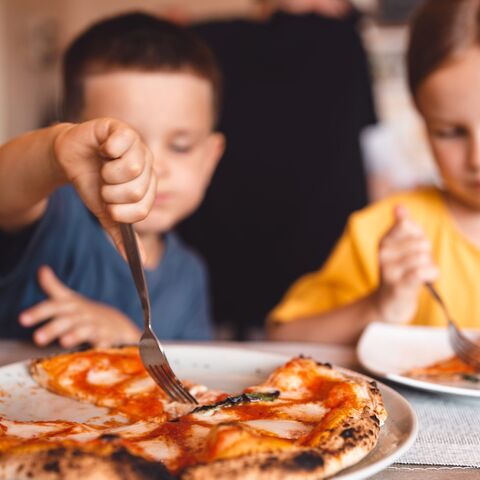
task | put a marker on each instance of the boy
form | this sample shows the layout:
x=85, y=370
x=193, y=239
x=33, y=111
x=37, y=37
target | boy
x=164, y=83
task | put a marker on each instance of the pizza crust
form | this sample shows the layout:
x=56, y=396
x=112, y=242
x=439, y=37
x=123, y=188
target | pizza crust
x=349, y=443
x=57, y=462
x=38, y=373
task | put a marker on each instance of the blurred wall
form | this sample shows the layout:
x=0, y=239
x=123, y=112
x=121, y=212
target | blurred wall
x=3, y=74
x=79, y=13
x=30, y=56
x=33, y=33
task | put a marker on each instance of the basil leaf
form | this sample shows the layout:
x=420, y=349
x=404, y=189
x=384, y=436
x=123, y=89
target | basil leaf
x=244, y=398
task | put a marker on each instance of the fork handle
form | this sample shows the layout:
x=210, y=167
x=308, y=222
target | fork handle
x=136, y=267
x=433, y=291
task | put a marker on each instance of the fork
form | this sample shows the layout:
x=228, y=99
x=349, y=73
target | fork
x=464, y=348
x=151, y=350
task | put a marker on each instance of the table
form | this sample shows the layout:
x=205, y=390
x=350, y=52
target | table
x=13, y=351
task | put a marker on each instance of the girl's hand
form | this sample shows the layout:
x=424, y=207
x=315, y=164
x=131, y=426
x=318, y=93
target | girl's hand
x=74, y=320
x=112, y=170
x=405, y=265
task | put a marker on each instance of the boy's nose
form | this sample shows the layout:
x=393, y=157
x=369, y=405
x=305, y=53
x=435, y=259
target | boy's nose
x=160, y=167
x=159, y=161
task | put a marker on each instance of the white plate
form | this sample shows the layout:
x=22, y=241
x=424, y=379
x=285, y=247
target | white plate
x=388, y=351
x=229, y=369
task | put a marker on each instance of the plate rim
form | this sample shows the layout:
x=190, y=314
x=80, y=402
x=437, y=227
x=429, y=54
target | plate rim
x=423, y=385
x=394, y=397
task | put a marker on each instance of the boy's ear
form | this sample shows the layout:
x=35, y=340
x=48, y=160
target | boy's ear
x=217, y=147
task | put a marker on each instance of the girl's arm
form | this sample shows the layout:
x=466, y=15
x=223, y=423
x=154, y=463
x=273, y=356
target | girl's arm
x=405, y=263
x=341, y=326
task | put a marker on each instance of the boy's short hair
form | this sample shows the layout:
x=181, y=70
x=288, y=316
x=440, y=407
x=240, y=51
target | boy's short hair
x=137, y=42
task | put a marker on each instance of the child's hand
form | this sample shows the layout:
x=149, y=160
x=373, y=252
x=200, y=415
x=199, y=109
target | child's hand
x=405, y=265
x=74, y=319
x=112, y=170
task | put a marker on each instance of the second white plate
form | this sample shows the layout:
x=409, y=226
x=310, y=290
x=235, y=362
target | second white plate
x=388, y=351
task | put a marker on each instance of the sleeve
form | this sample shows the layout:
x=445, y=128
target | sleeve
x=13, y=246
x=53, y=241
x=198, y=324
x=348, y=275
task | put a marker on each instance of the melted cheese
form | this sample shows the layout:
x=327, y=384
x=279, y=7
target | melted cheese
x=307, y=412
x=32, y=429
x=104, y=376
x=289, y=429
x=82, y=436
x=136, y=429
x=213, y=417
x=141, y=385
x=160, y=449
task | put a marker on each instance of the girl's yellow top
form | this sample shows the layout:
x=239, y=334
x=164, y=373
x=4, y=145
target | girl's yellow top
x=352, y=270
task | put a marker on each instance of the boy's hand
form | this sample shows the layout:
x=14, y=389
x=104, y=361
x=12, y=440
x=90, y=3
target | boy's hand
x=112, y=170
x=405, y=265
x=74, y=319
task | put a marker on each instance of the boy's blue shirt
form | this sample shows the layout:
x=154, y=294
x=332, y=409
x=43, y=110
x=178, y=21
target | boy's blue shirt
x=69, y=239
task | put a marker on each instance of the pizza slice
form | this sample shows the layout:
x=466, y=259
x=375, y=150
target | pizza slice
x=449, y=370
x=114, y=378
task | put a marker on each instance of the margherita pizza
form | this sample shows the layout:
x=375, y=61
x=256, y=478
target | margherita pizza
x=307, y=420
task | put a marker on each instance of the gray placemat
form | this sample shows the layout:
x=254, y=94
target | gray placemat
x=449, y=430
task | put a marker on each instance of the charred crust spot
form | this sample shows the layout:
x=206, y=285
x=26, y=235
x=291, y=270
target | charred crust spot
x=20, y=467
x=151, y=471
x=306, y=461
x=375, y=419
x=52, y=467
x=268, y=463
x=145, y=469
x=109, y=437
x=54, y=452
x=348, y=433
x=121, y=456
x=324, y=364
x=374, y=387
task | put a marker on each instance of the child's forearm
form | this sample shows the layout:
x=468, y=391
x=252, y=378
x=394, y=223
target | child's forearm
x=29, y=173
x=341, y=326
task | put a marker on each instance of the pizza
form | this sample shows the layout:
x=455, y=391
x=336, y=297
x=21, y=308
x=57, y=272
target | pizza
x=306, y=420
x=449, y=370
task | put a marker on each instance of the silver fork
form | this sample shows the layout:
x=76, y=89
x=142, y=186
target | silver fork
x=465, y=349
x=151, y=350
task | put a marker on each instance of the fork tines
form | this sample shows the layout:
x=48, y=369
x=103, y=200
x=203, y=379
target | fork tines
x=465, y=348
x=165, y=377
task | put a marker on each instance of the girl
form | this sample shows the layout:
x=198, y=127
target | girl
x=391, y=249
